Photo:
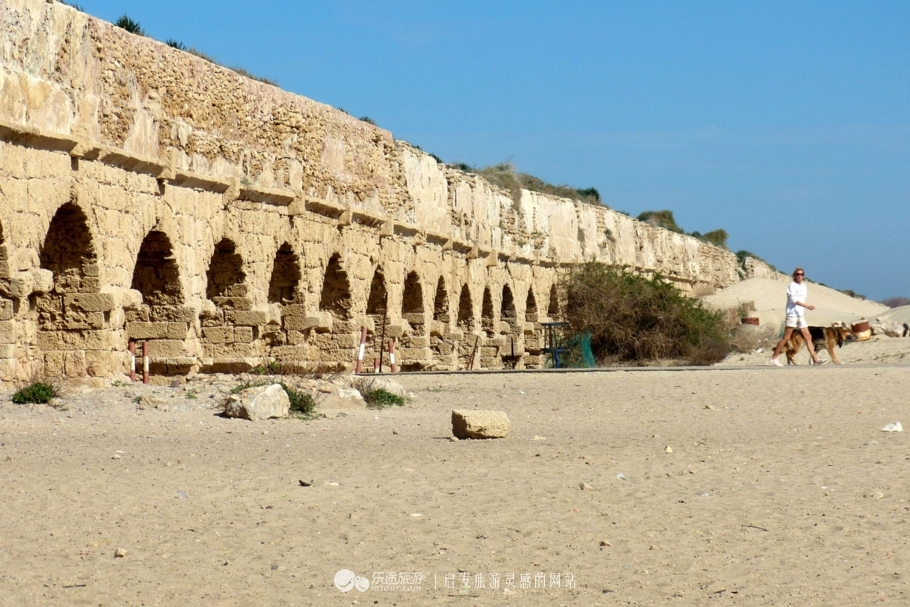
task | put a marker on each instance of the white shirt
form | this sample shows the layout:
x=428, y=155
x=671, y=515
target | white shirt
x=796, y=292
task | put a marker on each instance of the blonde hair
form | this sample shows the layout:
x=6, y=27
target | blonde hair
x=797, y=270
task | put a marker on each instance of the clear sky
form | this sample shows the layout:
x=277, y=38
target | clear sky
x=786, y=123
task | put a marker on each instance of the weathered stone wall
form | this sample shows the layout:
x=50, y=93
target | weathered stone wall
x=148, y=194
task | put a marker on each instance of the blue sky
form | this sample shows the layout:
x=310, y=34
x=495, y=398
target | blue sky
x=785, y=123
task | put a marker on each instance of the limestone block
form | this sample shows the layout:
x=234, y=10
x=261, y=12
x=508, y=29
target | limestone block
x=234, y=303
x=140, y=315
x=249, y=318
x=443, y=348
x=419, y=342
x=414, y=353
x=76, y=319
x=7, y=351
x=438, y=328
x=6, y=309
x=74, y=364
x=181, y=363
x=53, y=363
x=99, y=364
x=415, y=318
x=344, y=326
x=243, y=334
x=455, y=335
x=35, y=280
x=258, y=404
x=322, y=321
x=7, y=332
x=208, y=310
x=8, y=369
x=218, y=335
x=234, y=350
x=147, y=330
x=395, y=330
x=130, y=299
x=184, y=314
x=177, y=330
x=296, y=338
x=166, y=348
x=348, y=341
x=343, y=399
x=90, y=302
x=294, y=310
x=480, y=424
x=289, y=353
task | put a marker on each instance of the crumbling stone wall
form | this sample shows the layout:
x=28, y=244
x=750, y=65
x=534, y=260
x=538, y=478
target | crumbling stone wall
x=148, y=195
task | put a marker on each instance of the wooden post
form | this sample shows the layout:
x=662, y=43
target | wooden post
x=363, y=347
x=145, y=362
x=132, y=348
x=473, y=353
x=392, y=356
x=375, y=364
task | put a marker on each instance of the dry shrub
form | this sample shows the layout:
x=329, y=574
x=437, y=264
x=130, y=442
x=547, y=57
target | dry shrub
x=634, y=318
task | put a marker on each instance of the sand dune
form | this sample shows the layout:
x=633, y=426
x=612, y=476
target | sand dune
x=768, y=299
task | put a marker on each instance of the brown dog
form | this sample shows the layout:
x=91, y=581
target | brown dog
x=822, y=337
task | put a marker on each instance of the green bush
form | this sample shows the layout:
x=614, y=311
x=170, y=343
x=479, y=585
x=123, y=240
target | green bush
x=377, y=397
x=634, y=318
x=175, y=44
x=301, y=402
x=661, y=219
x=716, y=237
x=38, y=392
x=129, y=25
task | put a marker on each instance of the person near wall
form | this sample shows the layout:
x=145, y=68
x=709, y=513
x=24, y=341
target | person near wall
x=797, y=293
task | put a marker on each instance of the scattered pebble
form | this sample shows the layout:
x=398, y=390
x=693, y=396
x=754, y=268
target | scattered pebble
x=119, y=553
x=668, y=449
x=584, y=487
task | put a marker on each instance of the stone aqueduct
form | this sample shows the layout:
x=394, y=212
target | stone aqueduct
x=148, y=194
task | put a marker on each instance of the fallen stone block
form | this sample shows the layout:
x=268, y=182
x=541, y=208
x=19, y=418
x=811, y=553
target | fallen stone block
x=344, y=399
x=480, y=424
x=257, y=404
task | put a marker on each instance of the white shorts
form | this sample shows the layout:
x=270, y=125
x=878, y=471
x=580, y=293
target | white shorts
x=797, y=322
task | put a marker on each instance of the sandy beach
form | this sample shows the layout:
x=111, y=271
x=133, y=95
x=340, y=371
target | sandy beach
x=738, y=485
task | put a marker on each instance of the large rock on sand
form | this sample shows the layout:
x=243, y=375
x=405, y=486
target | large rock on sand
x=256, y=404
x=480, y=424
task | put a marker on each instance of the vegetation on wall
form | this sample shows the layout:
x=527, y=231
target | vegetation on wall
x=664, y=219
x=507, y=177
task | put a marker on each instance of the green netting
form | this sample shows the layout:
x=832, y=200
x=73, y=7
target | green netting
x=577, y=353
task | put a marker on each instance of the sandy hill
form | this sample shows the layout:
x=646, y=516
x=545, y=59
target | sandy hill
x=769, y=298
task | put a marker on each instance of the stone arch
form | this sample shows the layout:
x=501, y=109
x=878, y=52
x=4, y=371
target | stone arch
x=69, y=252
x=486, y=312
x=553, y=305
x=465, y=318
x=225, y=277
x=412, y=298
x=441, y=302
x=285, y=276
x=507, y=306
x=336, y=289
x=531, y=314
x=156, y=274
x=73, y=328
x=378, y=298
